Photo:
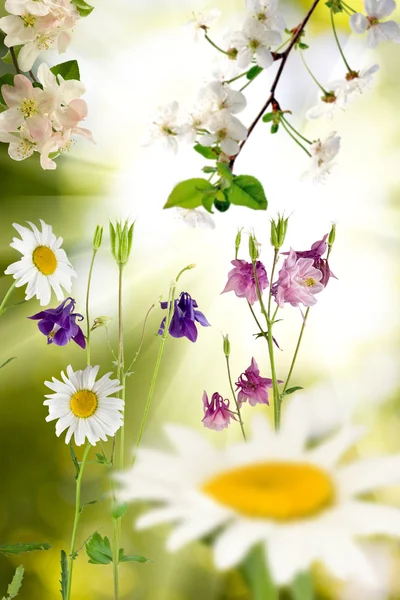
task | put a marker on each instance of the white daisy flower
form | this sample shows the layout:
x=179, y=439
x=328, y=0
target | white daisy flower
x=44, y=265
x=84, y=406
x=297, y=501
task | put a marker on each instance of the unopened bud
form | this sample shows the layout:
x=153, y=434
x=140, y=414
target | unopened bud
x=98, y=237
x=253, y=248
x=278, y=231
x=121, y=236
x=332, y=235
x=100, y=322
x=238, y=241
x=227, y=346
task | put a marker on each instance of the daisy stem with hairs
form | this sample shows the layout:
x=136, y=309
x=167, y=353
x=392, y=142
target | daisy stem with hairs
x=286, y=128
x=234, y=397
x=350, y=70
x=214, y=45
x=76, y=520
x=6, y=297
x=323, y=90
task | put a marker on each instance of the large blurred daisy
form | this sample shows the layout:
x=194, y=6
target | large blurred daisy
x=84, y=406
x=298, y=502
x=44, y=265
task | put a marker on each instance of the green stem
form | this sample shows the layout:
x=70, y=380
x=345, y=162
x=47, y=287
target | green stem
x=347, y=6
x=235, y=399
x=283, y=44
x=249, y=82
x=236, y=78
x=323, y=90
x=87, y=307
x=283, y=118
x=116, y=538
x=338, y=44
x=296, y=351
x=274, y=263
x=215, y=45
x=294, y=138
x=8, y=294
x=76, y=520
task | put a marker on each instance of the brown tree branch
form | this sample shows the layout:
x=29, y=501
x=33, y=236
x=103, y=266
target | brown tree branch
x=297, y=31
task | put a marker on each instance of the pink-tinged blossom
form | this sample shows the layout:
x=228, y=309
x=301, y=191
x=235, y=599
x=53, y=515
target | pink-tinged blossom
x=298, y=282
x=241, y=280
x=217, y=415
x=252, y=386
x=316, y=252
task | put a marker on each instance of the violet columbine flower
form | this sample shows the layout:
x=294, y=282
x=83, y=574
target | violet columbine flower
x=252, y=386
x=241, y=280
x=217, y=415
x=59, y=324
x=318, y=249
x=183, y=322
x=298, y=282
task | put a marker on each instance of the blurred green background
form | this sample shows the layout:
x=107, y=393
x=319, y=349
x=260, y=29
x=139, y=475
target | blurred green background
x=134, y=56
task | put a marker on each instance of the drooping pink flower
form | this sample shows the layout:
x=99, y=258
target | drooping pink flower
x=316, y=252
x=298, y=282
x=241, y=280
x=252, y=386
x=217, y=415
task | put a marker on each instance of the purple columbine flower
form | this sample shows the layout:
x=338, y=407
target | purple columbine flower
x=183, y=322
x=217, y=415
x=59, y=324
x=316, y=252
x=252, y=386
x=241, y=280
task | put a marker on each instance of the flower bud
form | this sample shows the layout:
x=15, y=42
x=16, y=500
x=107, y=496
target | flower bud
x=238, y=241
x=98, y=237
x=278, y=231
x=253, y=248
x=100, y=322
x=227, y=346
x=332, y=235
x=121, y=236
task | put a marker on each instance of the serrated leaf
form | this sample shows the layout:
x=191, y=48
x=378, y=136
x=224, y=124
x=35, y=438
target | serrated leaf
x=119, y=510
x=15, y=586
x=7, y=361
x=302, y=587
x=189, y=193
x=67, y=70
x=99, y=550
x=247, y=191
x=5, y=79
x=206, y=151
x=254, y=72
x=21, y=548
x=64, y=575
x=84, y=9
x=292, y=390
x=135, y=558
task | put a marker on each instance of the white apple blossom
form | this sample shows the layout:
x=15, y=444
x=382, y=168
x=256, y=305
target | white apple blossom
x=323, y=153
x=218, y=96
x=226, y=130
x=357, y=82
x=38, y=8
x=202, y=21
x=329, y=103
x=266, y=11
x=254, y=41
x=166, y=127
x=377, y=31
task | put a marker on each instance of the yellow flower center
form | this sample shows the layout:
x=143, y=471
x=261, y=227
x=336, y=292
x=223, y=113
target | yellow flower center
x=27, y=107
x=280, y=491
x=84, y=403
x=29, y=20
x=310, y=282
x=44, y=260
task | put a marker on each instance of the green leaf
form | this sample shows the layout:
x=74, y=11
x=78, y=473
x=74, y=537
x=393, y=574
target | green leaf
x=189, y=193
x=64, y=575
x=207, y=152
x=292, y=390
x=208, y=202
x=7, y=361
x=274, y=128
x=20, y=548
x=247, y=191
x=119, y=510
x=7, y=58
x=15, y=585
x=103, y=460
x=257, y=576
x=254, y=72
x=84, y=9
x=135, y=558
x=302, y=587
x=5, y=79
x=268, y=117
x=67, y=70
x=209, y=169
x=225, y=172
x=99, y=550
x=103, y=497
x=74, y=459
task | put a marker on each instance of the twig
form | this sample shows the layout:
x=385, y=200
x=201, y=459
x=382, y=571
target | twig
x=284, y=57
x=15, y=60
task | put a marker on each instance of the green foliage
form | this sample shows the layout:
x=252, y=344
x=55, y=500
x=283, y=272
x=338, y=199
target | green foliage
x=103, y=497
x=268, y=117
x=74, y=459
x=7, y=58
x=247, y=191
x=225, y=173
x=103, y=460
x=257, y=576
x=64, y=575
x=291, y=390
x=119, y=510
x=15, y=585
x=67, y=70
x=7, y=361
x=135, y=558
x=189, y=193
x=302, y=587
x=274, y=128
x=99, y=550
x=84, y=9
x=335, y=6
x=20, y=548
x=254, y=72
x=5, y=79
x=210, y=153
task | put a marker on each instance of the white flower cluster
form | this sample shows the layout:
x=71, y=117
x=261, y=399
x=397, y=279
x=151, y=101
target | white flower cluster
x=42, y=120
x=372, y=22
x=38, y=25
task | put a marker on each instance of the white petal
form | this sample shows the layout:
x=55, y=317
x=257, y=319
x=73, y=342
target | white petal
x=328, y=453
x=358, y=23
x=234, y=543
x=369, y=474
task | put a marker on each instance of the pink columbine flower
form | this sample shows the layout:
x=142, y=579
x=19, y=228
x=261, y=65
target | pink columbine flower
x=217, y=415
x=298, y=281
x=252, y=386
x=241, y=280
x=316, y=252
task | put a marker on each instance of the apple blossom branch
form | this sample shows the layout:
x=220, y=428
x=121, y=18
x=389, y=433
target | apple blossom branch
x=283, y=56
